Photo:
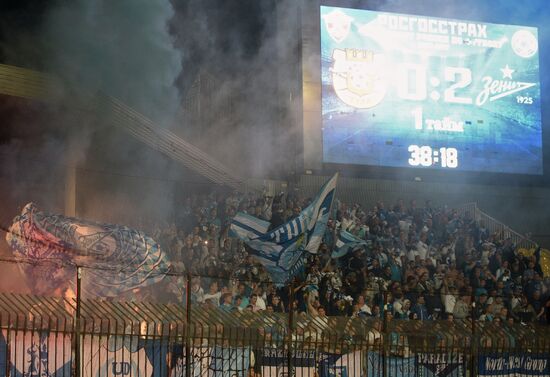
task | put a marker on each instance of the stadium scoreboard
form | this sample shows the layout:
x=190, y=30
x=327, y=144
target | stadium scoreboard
x=422, y=92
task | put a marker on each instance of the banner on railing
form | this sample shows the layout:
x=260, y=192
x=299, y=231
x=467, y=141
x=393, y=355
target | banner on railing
x=420, y=365
x=440, y=365
x=230, y=362
x=115, y=356
x=3, y=352
x=35, y=354
x=44, y=354
x=212, y=361
x=274, y=363
x=309, y=363
x=511, y=365
x=335, y=365
x=200, y=361
x=395, y=366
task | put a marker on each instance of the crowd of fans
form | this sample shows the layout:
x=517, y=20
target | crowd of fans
x=422, y=263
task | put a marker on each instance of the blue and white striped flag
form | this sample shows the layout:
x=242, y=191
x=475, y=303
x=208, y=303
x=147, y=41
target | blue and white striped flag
x=346, y=242
x=245, y=227
x=281, y=250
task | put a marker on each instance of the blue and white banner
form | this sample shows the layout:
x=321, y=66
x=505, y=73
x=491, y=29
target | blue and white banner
x=281, y=250
x=115, y=356
x=345, y=243
x=35, y=354
x=514, y=365
x=245, y=226
x=120, y=258
x=229, y=362
x=274, y=363
x=3, y=352
x=335, y=365
x=200, y=361
x=440, y=365
x=395, y=366
x=212, y=361
x=420, y=365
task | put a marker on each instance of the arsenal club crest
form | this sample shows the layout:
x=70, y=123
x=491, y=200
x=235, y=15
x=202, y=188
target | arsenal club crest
x=338, y=25
x=357, y=77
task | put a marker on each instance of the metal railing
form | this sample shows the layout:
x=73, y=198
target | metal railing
x=55, y=336
x=495, y=226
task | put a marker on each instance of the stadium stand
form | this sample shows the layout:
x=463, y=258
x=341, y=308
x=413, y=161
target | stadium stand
x=418, y=262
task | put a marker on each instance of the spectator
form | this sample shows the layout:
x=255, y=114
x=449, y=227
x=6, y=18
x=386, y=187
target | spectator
x=227, y=302
x=403, y=311
x=524, y=311
x=538, y=307
x=197, y=293
x=420, y=309
x=255, y=305
x=432, y=260
x=277, y=304
x=461, y=308
x=214, y=294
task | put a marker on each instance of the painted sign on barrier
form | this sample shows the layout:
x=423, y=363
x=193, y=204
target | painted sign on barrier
x=509, y=365
x=335, y=365
x=274, y=363
x=115, y=356
x=440, y=364
x=212, y=361
x=395, y=366
x=35, y=354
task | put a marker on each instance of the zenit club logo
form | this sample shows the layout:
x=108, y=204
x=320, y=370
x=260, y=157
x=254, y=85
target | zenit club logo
x=524, y=43
x=357, y=77
x=496, y=89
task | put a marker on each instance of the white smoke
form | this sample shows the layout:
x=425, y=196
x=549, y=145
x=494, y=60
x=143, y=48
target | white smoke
x=121, y=47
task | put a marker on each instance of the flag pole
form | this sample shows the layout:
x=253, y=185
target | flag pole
x=290, y=329
x=187, y=326
x=334, y=220
x=77, y=321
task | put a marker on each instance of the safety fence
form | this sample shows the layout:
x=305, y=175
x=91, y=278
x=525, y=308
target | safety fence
x=79, y=336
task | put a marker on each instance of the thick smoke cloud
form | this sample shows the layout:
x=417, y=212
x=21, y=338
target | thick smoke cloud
x=245, y=48
x=237, y=47
x=122, y=48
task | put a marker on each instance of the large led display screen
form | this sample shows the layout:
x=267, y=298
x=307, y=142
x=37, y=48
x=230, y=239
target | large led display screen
x=422, y=92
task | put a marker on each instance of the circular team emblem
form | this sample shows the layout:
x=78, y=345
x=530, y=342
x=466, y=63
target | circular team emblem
x=524, y=43
x=357, y=77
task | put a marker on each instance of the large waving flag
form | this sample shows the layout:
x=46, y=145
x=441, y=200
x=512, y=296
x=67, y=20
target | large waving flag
x=281, y=250
x=246, y=227
x=346, y=242
x=120, y=258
